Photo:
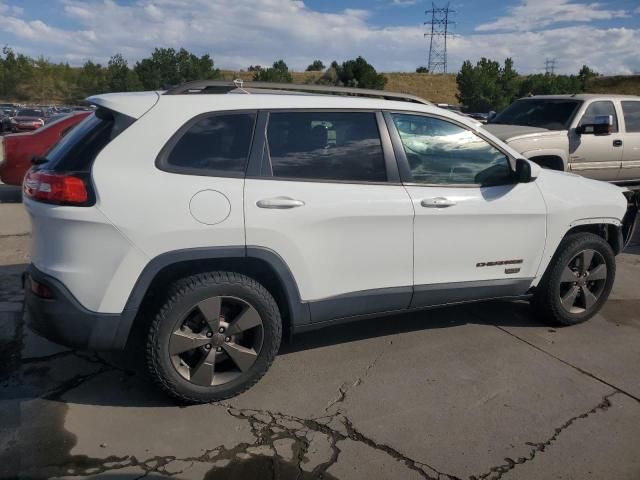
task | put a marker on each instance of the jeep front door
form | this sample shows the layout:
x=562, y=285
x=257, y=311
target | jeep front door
x=478, y=233
x=329, y=202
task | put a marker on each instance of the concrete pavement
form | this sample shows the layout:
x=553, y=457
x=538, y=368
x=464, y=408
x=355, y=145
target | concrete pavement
x=475, y=392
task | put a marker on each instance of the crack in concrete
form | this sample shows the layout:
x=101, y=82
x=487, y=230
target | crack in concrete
x=569, y=364
x=344, y=389
x=273, y=433
x=496, y=472
x=314, y=424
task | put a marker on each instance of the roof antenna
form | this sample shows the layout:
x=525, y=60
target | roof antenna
x=238, y=82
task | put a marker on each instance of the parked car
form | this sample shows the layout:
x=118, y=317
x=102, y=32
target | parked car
x=28, y=119
x=246, y=216
x=597, y=136
x=5, y=120
x=17, y=150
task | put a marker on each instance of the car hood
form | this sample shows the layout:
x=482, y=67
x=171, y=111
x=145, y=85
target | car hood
x=509, y=132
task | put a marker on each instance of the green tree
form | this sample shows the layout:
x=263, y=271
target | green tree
x=547, y=84
x=487, y=85
x=316, y=66
x=585, y=75
x=91, y=80
x=119, y=77
x=422, y=70
x=16, y=70
x=360, y=73
x=279, y=72
x=166, y=67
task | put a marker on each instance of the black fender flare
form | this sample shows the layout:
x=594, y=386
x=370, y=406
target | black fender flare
x=299, y=310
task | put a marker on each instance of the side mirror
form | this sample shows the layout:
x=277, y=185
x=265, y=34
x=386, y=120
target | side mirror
x=600, y=125
x=523, y=171
x=492, y=114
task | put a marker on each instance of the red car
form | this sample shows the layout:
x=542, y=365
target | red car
x=28, y=119
x=16, y=150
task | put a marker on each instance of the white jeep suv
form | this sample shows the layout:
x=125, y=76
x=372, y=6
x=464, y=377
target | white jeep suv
x=212, y=219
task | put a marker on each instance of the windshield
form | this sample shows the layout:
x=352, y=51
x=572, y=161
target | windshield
x=542, y=113
x=29, y=112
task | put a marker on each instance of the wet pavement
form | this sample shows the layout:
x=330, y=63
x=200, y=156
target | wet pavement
x=475, y=392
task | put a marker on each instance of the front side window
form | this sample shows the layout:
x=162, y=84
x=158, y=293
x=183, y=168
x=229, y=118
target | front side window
x=216, y=144
x=441, y=152
x=342, y=146
x=599, y=109
x=631, y=112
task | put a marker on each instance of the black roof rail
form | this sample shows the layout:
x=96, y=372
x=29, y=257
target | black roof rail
x=219, y=87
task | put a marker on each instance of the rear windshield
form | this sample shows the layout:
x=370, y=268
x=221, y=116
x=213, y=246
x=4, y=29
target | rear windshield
x=76, y=151
x=30, y=112
x=542, y=113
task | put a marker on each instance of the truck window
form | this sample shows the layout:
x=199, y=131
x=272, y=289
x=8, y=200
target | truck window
x=546, y=113
x=631, y=112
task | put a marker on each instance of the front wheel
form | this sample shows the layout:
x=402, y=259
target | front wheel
x=215, y=337
x=577, y=282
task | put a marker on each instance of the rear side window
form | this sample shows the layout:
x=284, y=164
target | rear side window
x=343, y=146
x=213, y=144
x=76, y=151
x=631, y=111
x=599, y=109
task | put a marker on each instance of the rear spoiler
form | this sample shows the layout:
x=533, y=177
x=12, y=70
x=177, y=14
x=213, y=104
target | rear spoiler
x=131, y=104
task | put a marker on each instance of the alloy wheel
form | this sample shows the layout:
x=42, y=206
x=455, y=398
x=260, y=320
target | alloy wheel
x=216, y=341
x=583, y=281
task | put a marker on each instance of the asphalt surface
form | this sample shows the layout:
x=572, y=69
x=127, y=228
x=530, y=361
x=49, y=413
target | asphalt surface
x=475, y=392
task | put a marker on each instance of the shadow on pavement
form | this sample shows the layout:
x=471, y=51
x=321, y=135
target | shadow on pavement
x=512, y=314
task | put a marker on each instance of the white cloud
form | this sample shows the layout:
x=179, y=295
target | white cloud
x=535, y=14
x=404, y=3
x=245, y=32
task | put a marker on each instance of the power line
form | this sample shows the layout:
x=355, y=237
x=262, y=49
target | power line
x=550, y=66
x=438, y=37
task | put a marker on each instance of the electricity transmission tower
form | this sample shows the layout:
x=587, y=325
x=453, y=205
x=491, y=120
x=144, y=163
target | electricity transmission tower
x=550, y=66
x=438, y=37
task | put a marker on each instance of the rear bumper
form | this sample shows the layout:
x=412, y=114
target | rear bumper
x=63, y=320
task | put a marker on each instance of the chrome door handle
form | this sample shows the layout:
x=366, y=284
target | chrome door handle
x=438, y=202
x=279, y=203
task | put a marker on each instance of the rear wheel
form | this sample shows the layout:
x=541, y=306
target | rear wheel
x=215, y=337
x=578, y=280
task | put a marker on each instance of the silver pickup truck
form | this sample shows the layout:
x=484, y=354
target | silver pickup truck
x=597, y=136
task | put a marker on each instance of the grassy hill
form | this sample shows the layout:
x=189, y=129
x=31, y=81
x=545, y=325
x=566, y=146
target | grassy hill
x=625, y=85
x=436, y=88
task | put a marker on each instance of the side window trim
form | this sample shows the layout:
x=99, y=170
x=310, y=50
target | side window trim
x=259, y=166
x=401, y=156
x=162, y=163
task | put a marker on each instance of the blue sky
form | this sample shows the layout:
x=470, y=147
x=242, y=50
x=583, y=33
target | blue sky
x=389, y=33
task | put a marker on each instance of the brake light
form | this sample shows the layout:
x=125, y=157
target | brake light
x=55, y=188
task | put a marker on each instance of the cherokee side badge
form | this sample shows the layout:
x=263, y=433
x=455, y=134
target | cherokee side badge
x=502, y=262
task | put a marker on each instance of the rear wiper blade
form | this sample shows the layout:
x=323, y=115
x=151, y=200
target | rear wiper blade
x=38, y=160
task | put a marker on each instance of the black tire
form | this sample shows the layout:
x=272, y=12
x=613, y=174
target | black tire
x=547, y=303
x=184, y=299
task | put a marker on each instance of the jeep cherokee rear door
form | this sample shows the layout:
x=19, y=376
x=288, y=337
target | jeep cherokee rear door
x=324, y=194
x=478, y=233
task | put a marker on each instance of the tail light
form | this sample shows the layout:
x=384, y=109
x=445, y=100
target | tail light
x=58, y=188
